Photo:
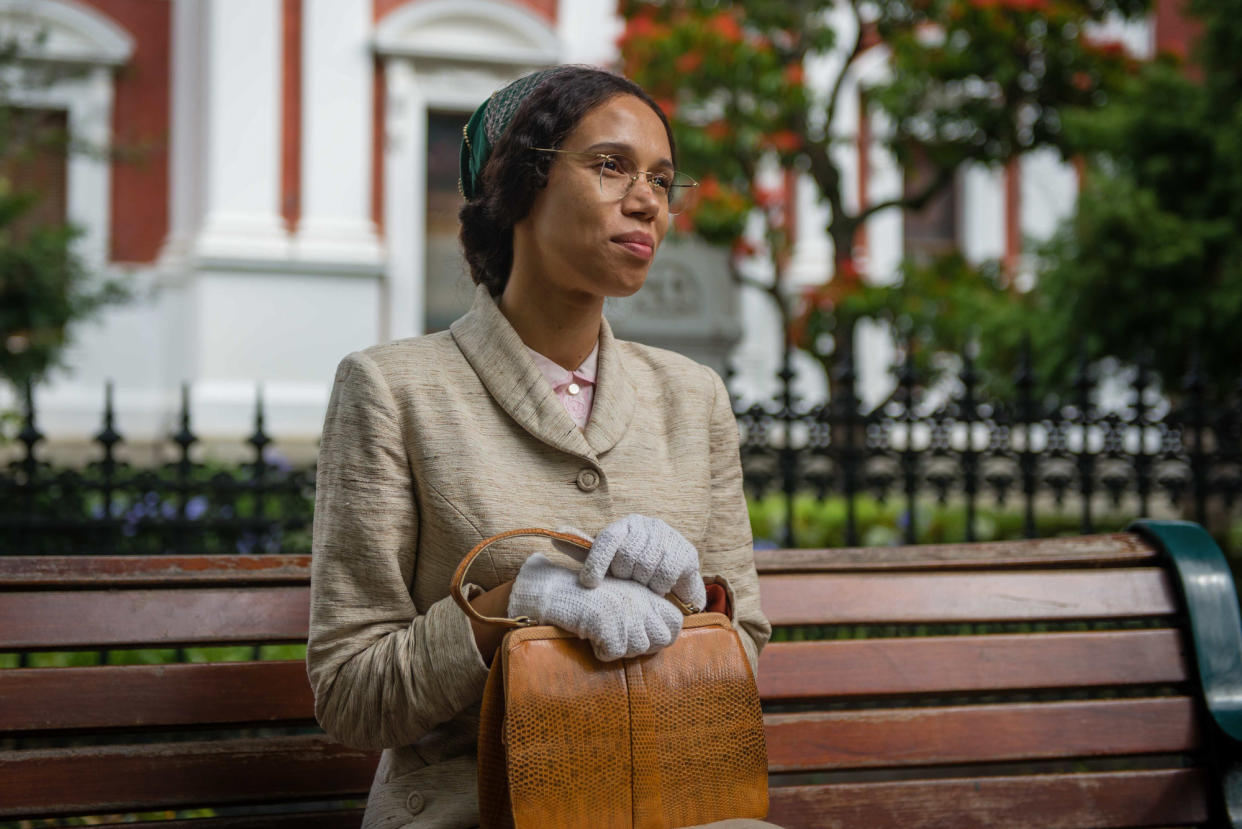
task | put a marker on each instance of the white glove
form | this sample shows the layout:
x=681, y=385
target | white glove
x=620, y=618
x=650, y=552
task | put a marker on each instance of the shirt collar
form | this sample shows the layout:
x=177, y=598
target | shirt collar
x=558, y=375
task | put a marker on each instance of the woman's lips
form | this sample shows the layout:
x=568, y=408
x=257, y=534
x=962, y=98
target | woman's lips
x=637, y=248
x=638, y=244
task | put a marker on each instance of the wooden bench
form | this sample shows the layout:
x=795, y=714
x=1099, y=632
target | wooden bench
x=1092, y=681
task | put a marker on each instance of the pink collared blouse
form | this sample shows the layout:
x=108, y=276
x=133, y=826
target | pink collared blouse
x=576, y=388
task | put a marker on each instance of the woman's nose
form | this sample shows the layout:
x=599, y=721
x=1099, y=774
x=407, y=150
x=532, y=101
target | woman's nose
x=644, y=195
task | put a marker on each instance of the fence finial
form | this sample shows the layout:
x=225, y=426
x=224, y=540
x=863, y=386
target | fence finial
x=108, y=436
x=260, y=439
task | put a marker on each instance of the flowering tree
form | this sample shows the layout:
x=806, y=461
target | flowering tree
x=971, y=81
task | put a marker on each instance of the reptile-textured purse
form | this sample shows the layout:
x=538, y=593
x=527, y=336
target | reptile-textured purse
x=674, y=738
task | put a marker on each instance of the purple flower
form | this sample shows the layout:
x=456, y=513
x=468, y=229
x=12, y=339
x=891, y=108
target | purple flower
x=196, y=507
x=277, y=461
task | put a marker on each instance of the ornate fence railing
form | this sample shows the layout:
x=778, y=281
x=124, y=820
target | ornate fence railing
x=263, y=505
x=921, y=449
x=1037, y=455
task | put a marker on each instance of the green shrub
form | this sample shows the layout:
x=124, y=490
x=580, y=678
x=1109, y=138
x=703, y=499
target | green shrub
x=819, y=523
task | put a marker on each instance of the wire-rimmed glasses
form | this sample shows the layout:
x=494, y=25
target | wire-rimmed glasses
x=618, y=173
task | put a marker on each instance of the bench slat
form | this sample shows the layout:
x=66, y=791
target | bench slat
x=788, y=670
x=944, y=664
x=909, y=598
x=1175, y=797
x=344, y=819
x=87, y=619
x=979, y=733
x=145, y=777
x=1110, y=548
x=159, y=571
x=90, y=570
x=132, y=696
x=137, y=618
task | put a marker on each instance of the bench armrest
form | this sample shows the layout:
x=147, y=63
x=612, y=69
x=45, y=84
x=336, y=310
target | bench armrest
x=1212, y=607
x=1211, y=602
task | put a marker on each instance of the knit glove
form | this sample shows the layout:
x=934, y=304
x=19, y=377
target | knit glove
x=619, y=618
x=650, y=552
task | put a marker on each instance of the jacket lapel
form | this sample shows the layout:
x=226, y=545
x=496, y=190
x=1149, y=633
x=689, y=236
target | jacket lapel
x=497, y=355
x=615, y=395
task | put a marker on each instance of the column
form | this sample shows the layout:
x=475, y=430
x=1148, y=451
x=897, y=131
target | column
x=337, y=120
x=240, y=122
x=405, y=177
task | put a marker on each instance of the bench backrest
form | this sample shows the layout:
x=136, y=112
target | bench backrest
x=1065, y=695
x=1037, y=683
x=163, y=736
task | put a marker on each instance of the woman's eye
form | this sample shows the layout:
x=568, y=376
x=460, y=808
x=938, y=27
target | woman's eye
x=621, y=165
x=660, y=181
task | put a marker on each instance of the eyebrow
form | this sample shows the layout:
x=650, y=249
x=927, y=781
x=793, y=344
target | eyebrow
x=622, y=149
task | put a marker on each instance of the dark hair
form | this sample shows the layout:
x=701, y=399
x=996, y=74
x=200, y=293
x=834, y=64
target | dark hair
x=513, y=176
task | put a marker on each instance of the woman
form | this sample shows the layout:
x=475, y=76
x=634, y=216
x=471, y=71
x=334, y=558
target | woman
x=527, y=413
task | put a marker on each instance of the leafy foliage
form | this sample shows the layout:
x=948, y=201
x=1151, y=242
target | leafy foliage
x=821, y=523
x=944, y=306
x=1150, y=265
x=755, y=90
x=984, y=80
x=44, y=288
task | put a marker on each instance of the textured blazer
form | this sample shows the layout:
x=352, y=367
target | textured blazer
x=433, y=443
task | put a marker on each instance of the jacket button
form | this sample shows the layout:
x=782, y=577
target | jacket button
x=588, y=480
x=414, y=803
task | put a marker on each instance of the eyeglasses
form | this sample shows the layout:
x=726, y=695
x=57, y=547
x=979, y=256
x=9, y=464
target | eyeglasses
x=617, y=175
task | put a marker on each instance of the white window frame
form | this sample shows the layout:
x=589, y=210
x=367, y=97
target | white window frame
x=76, y=35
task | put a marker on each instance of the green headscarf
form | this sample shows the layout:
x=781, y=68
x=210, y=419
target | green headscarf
x=488, y=124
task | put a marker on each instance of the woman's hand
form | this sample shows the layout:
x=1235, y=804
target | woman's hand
x=493, y=603
x=620, y=618
x=650, y=552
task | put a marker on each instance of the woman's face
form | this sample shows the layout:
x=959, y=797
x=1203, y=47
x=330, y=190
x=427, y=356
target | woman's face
x=577, y=240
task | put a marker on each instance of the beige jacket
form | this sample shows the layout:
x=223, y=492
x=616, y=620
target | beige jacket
x=433, y=443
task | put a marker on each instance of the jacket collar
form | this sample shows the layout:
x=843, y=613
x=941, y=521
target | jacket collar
x=498, y=356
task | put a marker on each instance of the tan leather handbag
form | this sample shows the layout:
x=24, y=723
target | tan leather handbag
x=670, y=739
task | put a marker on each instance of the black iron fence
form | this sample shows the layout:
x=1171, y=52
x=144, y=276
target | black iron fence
x=188, y=505
x=1077, y=464
x=1043, y=465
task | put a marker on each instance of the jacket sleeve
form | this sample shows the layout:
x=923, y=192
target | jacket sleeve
x=728, y=550
x=383, y=674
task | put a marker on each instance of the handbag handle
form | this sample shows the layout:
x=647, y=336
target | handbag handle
x=459, y=576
